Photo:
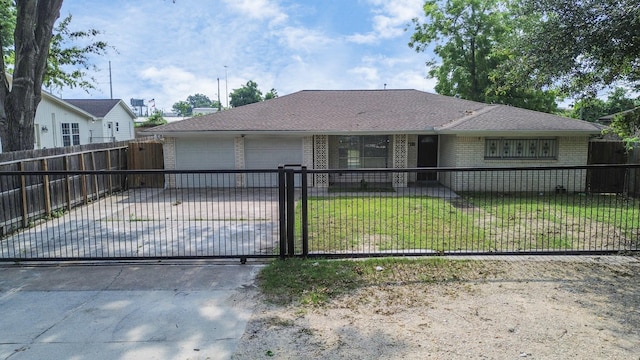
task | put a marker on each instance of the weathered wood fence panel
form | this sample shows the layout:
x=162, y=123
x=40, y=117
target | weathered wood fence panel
x=606, y=180
x=620, y=180
x=144, y=156
x=25, y=198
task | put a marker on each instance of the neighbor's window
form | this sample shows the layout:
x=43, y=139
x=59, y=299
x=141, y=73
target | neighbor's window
x=521, y=149
x=70, y=134
x=362, y=152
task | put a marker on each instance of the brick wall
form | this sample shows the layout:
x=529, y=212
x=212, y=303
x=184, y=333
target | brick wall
x=169, y=150
x=469, y=152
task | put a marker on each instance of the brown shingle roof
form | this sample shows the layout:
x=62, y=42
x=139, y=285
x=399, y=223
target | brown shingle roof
x=508, y=118
x=392, y=111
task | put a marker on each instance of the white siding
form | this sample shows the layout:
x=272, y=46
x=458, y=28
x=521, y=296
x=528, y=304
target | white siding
x=51, y=115
x=122, y=124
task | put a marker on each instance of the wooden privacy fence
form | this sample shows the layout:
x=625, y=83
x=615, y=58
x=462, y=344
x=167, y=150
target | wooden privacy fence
x=26, y=198
x=146, y=155
x=620, y=180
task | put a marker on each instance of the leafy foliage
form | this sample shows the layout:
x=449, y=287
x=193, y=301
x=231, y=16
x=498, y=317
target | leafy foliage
x=627, y=127
x=470, y=37
x=64, y=52
x=34, y=48
x=247, y=94
x=7, y=27
x=185, y=108
x=592, y=108
x=200, y=100
x=182, y=108
x=581, y=46
x=154, y=119
x=272, y=94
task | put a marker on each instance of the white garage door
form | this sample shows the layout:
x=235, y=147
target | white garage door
x=205, y=154
x=268, y=153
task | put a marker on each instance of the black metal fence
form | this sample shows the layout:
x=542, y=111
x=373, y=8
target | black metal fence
x=549, y=210
x=330, y=213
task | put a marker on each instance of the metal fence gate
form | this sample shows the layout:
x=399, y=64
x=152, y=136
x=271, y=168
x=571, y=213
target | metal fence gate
x=324, y=213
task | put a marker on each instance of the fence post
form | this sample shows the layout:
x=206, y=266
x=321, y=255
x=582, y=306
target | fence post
x=291, y=214
x=45, y=184
x=95, y=176
x=23, y=193
x=67, y=182
x=109, y=179
x=305, y=222
x=83, y=180
x=282, y=206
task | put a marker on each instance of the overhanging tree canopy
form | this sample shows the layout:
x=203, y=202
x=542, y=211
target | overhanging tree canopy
x=37, y=53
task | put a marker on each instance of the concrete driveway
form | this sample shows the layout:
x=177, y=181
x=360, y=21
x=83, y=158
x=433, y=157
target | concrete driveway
x=133, y=311
x=156, y=223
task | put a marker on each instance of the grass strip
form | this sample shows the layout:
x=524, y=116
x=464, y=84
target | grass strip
x=314, y=282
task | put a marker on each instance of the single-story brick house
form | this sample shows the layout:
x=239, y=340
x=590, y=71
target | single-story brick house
x=335, y=129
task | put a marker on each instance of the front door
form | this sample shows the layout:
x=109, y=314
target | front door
x=427, y=156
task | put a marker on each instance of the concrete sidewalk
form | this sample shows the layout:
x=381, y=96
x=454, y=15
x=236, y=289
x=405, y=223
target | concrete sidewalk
x=125, y=311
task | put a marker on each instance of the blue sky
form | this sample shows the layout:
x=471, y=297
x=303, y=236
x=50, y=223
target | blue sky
x=167, y=51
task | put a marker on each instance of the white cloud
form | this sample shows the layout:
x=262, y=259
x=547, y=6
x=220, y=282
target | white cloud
x=169, y=51
x=391, y=19
x=368, y=74
x=172, y=84
x=303, y=39
x=259, y=9
x=363, y=38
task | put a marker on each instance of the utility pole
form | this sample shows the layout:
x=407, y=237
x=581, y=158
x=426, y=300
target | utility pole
x=226, y=85
x=110, y=81
x=219, y=103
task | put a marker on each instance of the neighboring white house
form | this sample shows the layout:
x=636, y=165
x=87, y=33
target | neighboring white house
x=58, y=123
x=114, y=120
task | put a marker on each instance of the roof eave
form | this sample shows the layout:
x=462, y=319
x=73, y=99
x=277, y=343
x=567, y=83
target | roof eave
x=186, y=133
x=519, y=132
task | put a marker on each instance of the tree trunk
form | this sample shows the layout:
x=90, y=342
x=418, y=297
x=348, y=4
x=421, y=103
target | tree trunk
x=34, y=28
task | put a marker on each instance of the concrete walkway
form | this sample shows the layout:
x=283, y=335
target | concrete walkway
x=181, y=310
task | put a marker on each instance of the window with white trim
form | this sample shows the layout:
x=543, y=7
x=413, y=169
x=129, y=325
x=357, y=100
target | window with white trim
x=358, y=151
x=70, y=134
x=532, y=149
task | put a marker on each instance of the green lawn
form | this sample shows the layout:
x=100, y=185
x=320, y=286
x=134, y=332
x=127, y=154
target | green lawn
x=390, y=223
x=473, y=222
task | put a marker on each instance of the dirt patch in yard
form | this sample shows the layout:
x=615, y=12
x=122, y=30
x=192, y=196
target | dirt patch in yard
x=527, y=307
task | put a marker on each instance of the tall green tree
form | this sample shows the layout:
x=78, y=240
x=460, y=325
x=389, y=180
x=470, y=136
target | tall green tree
x=247, y=94
x=37, y=53
x=589, y=109
x=201, y=101
x=627, y=127
x=581, y=46
x=469, y=37
x=592, y=108
x=619, y=100
x=185, y=108
x=272, y=94
x=32, y=35
x=182, y=108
